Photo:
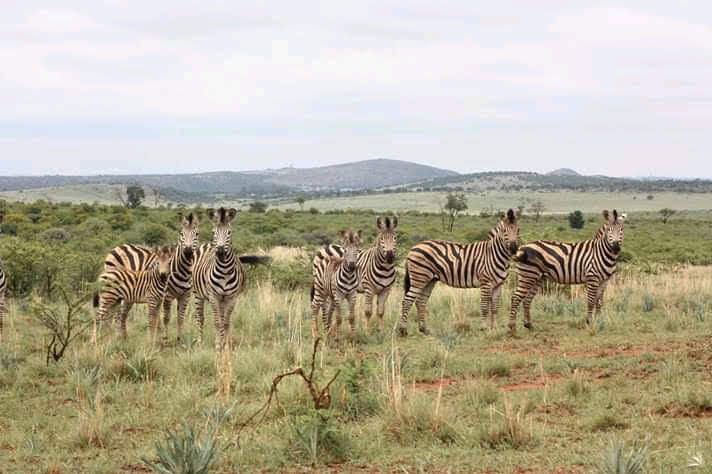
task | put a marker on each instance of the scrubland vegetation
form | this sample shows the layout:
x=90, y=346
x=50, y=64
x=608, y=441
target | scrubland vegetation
x=632, y=390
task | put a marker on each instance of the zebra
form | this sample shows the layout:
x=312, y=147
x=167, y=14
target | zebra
x=3, y=288
x=590, y=262
x=376, y=266
x=335, y=278
x=218, y=276
x=480, y=264
x=140, y=257
x=134, y=286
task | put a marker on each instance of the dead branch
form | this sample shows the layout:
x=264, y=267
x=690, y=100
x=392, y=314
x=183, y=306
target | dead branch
x=320, y=397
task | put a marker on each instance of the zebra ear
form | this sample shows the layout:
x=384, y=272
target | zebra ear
x=2, y=217
x=394, y=222
x=231, y=213
x=615, y=215
x=605, y=215
x=211, y=214
x=379, y=223
x=342, y=233
x=511, y=217
x=358, y=234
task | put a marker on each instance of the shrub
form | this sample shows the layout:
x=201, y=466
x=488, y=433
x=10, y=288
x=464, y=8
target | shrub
x=576, y=220
x=608, y=422
x=317, y=437
x=55, y=234
x=185, y=452
x=616, y=461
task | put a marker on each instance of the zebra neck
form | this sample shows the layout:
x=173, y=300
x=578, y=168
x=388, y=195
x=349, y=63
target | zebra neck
x=607, y=249
x=499, y=250
x=344, y=274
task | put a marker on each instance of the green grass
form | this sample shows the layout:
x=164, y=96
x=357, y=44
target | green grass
x=556, y=202
x=560, y=397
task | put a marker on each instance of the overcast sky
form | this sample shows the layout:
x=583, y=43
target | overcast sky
x=180, y=85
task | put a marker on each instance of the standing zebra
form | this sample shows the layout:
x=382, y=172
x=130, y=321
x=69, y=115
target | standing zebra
x=590, y=262
x=335, y=278
x=131, y=287
x=3, y=287
x=218, y=276
x=140, y=257
x=480, y=264
x=376, y=266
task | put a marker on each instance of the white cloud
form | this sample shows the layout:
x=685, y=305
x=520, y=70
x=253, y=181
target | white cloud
x=388, y=73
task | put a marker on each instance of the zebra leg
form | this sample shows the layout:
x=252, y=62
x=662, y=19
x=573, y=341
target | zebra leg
x=409, y=297
x=219, y=325
x=200, y=316
x=528, y=303
x=599, y=299
x=122, y=317
x=335, y=309
x=485, y=303
x=166, y=314
x=591, y=298
x=154, y=310
x=381, y=306
x=351, y=298
x=228, y=308
x=3, y=311
x=368, y=306
x=494, y=304
x=421, y=305
x=182, y=307
x=316, y=304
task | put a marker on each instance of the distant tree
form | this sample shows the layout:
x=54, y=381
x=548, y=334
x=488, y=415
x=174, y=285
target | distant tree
x=650, y=197
x=258, y=206
x=455, y=203
x=300, y=200
x=576, y=220
x=537, y=208
x=156, y=191
x=313, y=210
x=666, y=214
x=134, y=196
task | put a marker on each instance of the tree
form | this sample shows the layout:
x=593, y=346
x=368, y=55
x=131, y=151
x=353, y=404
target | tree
x=134, y=196
x=258, y=206
x=301, y=200
x=455, y=204
x=666, y=214
x=576, y=220
x=156, y=191
x=537, y=208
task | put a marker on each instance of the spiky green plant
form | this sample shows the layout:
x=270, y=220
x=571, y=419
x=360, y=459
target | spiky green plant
x=184, y=452
x=617, y=461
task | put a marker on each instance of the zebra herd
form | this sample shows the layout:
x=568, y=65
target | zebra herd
x=213, y=273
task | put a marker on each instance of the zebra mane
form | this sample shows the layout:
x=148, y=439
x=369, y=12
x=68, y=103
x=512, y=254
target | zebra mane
x=221, y=216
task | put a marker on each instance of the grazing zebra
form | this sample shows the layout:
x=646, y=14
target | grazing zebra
x=480, y=264
x=218, y=276
x=590, y=262
x=3, y=287
x=336, y=277
x=134, y=286
x=139, y=257
x=376, y=266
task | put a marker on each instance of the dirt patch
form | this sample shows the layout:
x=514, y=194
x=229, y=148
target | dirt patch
x=674, y=410
x=535, y=384
x=134, y=468
x=445, y=382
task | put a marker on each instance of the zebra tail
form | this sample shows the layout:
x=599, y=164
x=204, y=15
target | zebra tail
x=311, y=293
x=406, y=280
x=255, y=259
x=95, y=300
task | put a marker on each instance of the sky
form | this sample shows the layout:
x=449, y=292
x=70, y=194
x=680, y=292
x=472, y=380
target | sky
x=173, y=86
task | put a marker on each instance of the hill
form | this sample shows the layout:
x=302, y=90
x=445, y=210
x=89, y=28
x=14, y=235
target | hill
x=369, y=174
x=563, y=172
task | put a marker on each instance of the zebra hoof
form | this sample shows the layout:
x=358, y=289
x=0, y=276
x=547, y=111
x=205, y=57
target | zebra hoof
x=424, y=331
x=512, y=329
x=403, y=332
x=528, y=325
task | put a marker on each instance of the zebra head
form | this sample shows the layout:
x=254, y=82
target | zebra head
x=163, y=261
x=613, y=229
x=222, y=230
x=351, y=242
x=386, y=239
x=508, y=231
x=189, y=232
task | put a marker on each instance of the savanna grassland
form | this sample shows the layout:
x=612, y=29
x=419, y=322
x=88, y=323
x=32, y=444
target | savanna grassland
x=555, y=399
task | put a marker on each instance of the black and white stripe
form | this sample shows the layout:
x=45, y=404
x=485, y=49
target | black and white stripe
x=589, y=262
x=140, y=257
x=481, y=264
x=131, y=287
x=218, y=276
x=335, y=278
x=376, y=266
